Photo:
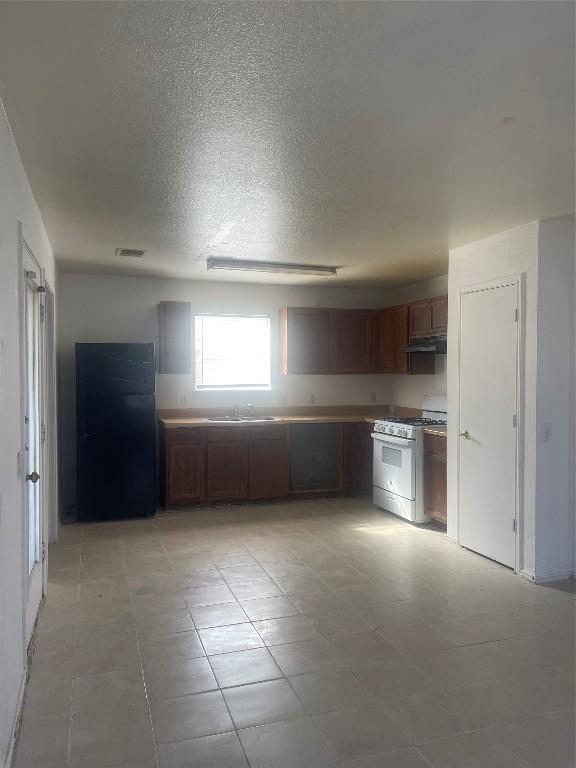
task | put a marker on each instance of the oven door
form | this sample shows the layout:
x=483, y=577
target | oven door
x=395, y=465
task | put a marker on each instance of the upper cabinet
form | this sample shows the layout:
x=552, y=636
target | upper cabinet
x=351, y=332
x=429, y=317
x=391, y=338
x=439, y=315
x=335, y=341
x=305, y=340
x=174, y=337
x=316, y=340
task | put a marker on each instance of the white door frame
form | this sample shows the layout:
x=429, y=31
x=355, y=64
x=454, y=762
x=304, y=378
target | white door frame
x=28, y=578
x=49, y=417
x=517, y=280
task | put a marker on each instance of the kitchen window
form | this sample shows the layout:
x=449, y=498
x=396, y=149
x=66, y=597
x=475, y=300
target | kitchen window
x=232, y=352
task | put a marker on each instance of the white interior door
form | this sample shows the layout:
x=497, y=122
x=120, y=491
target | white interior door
x=32, y=455
x=487, y=466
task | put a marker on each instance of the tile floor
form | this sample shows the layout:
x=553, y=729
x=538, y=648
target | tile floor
x=301, y=635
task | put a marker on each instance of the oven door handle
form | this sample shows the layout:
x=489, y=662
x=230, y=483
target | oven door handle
x=393, y=439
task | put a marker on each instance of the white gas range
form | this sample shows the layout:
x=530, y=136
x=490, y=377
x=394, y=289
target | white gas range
x=398, y=482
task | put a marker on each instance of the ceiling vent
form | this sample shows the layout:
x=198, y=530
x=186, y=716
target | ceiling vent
x=135, y=252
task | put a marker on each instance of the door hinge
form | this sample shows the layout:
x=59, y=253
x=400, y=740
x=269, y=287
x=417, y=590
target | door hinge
x=42, y=313
x=514, y=525
x=516, y=315
x=515, y=420
x=43, y=433
x=43, y=551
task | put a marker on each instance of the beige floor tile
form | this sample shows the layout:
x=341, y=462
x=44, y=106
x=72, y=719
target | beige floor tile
x=542, y=742
x=414, y=639
x=551, y=649
x=408, y=628
x=168, y=679
x=306, y=656
x=290, y=744
x=322, y=692
x=473, y=750
x=290, y=629
x=427, y=716
x=360, y=732
x=341, y=621
x=391, y=678
x=118, y=734
x=116, y=651
x=262, y=703
x=207, y=596
x=497, y=625
x=403, y=758
x=249, y=590
x=43, y=742
x=218, y=615
x=221, y=751
x=188, y=717
x=242, y=667
x=269, y=608
x=239, y=574
x=237, y=637
x=170, y=622
x=174, y=647
x=465, y=664
x=363, y=646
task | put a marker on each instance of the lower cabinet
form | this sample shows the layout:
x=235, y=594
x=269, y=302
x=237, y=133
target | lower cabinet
x=435, y=477
x=227, y=470
x=269, y=462
x=185, y=470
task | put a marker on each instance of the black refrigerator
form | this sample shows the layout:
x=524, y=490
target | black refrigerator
x=116, y=431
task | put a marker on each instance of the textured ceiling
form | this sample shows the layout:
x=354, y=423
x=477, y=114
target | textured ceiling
x=372, y=136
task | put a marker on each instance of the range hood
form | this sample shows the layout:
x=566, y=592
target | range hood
x=436, y=345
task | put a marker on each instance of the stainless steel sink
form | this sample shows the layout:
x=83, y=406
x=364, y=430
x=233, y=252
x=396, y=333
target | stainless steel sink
x=239, y=418
x=223, y=418
x=257, y=418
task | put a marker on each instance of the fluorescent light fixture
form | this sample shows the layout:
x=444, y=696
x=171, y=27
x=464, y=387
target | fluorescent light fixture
x=271, y=266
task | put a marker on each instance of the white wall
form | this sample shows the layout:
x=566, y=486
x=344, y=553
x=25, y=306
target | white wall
x=104, y=308
x=554, y=400
x=16, y=204
x=538, y=251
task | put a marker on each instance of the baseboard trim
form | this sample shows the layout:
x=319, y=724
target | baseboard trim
x=17, y=721
x=546, y=578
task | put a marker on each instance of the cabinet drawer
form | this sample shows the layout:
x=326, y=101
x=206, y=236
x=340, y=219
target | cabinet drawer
x=226, y=434
x=435, y=445
x=269, y=432
x=184, y=435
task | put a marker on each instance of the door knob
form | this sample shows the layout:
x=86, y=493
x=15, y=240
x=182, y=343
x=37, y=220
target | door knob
x=34, y=477
x=465, y=434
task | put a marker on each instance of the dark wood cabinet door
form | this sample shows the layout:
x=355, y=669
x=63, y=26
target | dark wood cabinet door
x=391, y=340
x=185, y=466
x=269, y=463
x=439, y=315
x=420, y=319
x=351, y=333
x=306, y=340
x=435, y=490
x=227, y=470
